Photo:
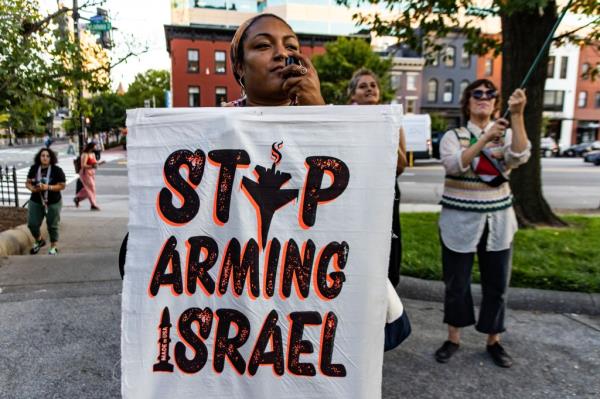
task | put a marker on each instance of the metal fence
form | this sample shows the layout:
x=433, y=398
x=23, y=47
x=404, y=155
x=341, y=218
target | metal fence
x=9, y=196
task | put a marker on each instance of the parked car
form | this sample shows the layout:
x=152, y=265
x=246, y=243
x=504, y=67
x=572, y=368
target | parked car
x=436, y=138
x=577, y=150
x=548, y=147
x=592, y=157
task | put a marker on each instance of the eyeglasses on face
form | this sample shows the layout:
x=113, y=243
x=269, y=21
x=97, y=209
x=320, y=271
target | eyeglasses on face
x=484, y=94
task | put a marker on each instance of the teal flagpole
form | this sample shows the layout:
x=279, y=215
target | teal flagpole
x=541, y=52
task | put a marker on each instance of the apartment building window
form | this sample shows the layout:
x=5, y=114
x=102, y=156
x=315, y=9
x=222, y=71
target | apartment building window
x=395, y=81
x=193, y=61
x=563, y=67
x=432, y=88
x=410, y=105
x=465, y=59
x=488, y=68
x=585, y=70
x=220, y=62
x=193, y=96
x=448, y=95
x=551, y=62
x=554, y=100
x=582, y=99
x=435, y=58
x=597, y=99
x=450, y=56
x=220, y=95
x=411, y=81
x=462, y=87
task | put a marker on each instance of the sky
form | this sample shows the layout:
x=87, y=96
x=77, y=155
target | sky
x=137, y=21
x=141, y=22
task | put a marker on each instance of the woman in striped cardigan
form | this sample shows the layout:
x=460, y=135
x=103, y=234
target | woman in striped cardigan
x=477, y=214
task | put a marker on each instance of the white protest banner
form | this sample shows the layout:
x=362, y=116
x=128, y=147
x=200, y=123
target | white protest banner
x=258, y=251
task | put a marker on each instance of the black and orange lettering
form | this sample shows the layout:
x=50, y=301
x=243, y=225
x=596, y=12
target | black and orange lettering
x=327, y=344
x=298, y=267
x=227, y=348
x=164, y=339
x=184, y=189
x=238, y=272
x=203, y=317
x=229, y=160
x=168, y=256
x=340, y=252
x=313, y=194
x=198, y=271
x=273, y=250
x=297, y=345
x=270, y=332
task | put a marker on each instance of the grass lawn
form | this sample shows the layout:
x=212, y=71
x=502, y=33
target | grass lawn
x=566, y=259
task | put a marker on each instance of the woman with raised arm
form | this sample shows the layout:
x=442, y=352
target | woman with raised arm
x=477, y=214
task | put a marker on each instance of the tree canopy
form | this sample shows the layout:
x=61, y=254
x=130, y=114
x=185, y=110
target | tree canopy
x=342, y=59
x=39, y=58
x=146, y=86
x=525, y=25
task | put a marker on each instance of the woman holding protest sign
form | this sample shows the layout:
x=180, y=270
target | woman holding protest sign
x=45, y=180
x=268, y=65
x=477, y=214
x=364, y=89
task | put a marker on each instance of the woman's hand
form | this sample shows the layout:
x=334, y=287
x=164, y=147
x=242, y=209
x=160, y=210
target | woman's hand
x=43, y=187
x=302, y=82
x=517, y=101
x=496, y=131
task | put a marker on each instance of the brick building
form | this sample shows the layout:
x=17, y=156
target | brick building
x=586, y=126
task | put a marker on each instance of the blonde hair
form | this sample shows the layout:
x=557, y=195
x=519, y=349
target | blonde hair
x=359, y=73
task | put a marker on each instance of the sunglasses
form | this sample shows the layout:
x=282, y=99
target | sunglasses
x=484, y=94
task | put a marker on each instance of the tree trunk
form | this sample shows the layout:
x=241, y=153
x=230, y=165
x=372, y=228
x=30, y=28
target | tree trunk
x=523, y=35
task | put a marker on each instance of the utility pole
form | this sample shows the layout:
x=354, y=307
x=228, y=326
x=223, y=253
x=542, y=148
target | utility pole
x=79, y=67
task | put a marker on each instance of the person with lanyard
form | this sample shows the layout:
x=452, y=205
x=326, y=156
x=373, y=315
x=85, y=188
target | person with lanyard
x=477, y=214
x=45, y=180
x=259, y=51
x=364, y=89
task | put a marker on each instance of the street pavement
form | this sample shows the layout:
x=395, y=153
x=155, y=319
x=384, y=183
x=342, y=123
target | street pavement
x=60, y=326
x=567, y=183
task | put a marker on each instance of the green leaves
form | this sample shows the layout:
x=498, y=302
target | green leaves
x=39, y=58
x=337, y=65
x=147, y=85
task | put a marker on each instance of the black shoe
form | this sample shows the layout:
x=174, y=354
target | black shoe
x=446, y=351
x=499, y=355
x=36, y=246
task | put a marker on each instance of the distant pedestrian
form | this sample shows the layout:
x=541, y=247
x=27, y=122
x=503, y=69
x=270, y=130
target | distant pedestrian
x=99, y=146
x=71, y=147
x=477, y=214
x=45, y=180
x=87, y=175
x=364, y=89
x=47, y=140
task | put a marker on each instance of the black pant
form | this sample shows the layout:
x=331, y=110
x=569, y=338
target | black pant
x=396, y=246
x=494, y=267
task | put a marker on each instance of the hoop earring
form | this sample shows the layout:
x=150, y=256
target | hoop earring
x=242, y=86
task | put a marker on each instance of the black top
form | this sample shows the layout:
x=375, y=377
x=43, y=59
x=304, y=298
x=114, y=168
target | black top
x=56, y=176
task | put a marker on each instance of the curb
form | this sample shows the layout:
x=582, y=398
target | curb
x=531, y=299
x=18, y=241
